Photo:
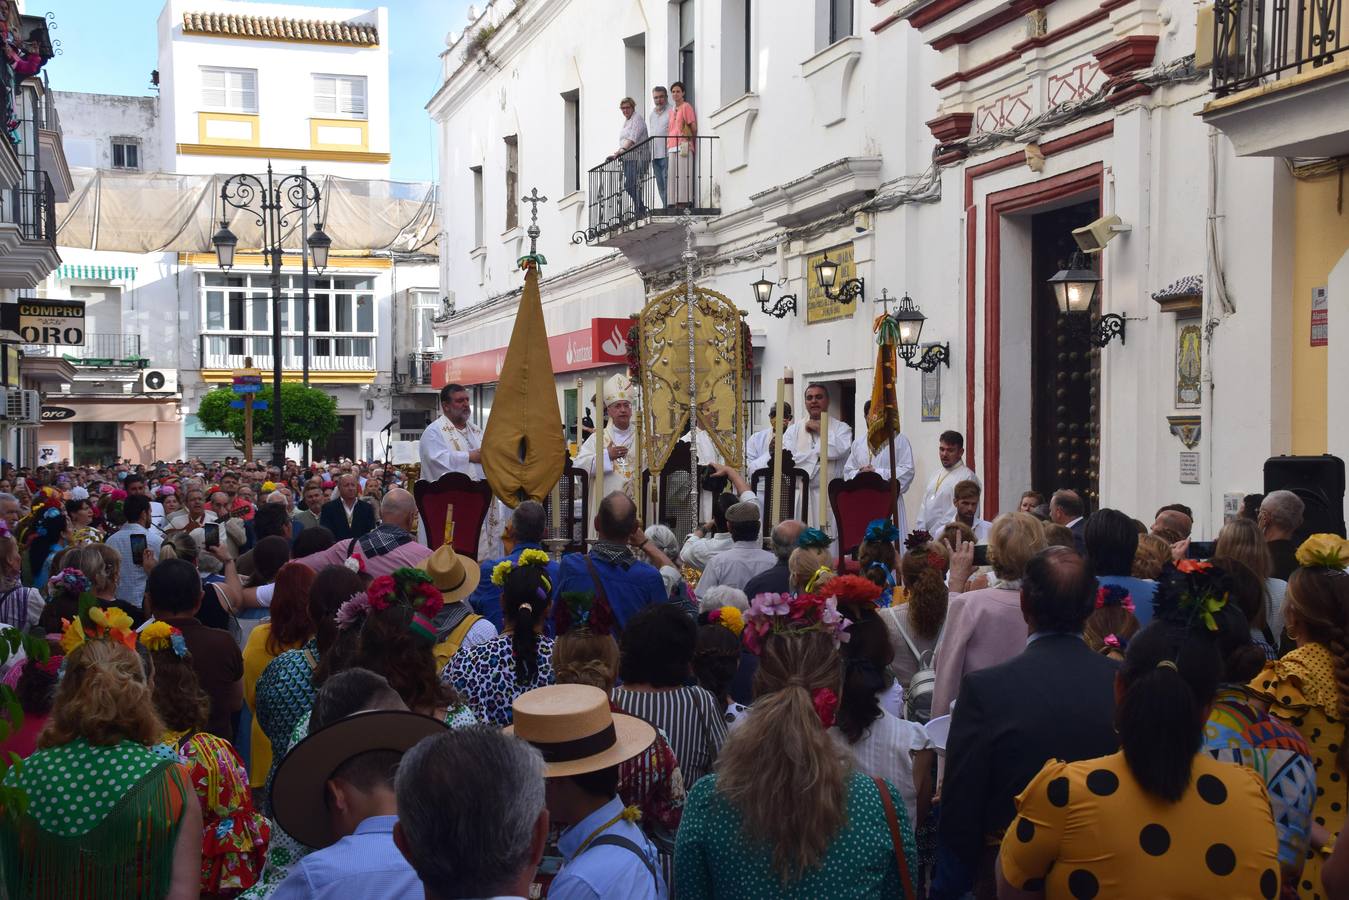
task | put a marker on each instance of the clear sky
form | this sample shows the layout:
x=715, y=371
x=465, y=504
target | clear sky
x=108, y=47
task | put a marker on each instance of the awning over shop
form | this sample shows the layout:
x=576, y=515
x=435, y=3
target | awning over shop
x=604, y=343
x=72, y=272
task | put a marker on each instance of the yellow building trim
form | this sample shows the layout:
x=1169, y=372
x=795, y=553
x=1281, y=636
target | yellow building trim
x=204, y=119
x=289, y=260
x=358, y=156
x=1320, y=239
x=350, y=124
x=341, y=376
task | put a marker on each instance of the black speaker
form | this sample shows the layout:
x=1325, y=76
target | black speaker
x=1319, y=481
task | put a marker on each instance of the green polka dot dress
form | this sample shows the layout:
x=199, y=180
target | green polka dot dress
x=714, y=857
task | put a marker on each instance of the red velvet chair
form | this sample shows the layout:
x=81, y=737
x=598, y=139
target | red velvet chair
x=471, y=500
x=856, y=503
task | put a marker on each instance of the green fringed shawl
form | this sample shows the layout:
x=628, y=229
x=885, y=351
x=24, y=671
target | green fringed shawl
x=100, y=822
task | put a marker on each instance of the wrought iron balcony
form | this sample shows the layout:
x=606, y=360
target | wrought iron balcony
x=1259, y=41
x=32, y=207
x=419, y=368
x=100, y=349
x=327, y=353
x=649, y=182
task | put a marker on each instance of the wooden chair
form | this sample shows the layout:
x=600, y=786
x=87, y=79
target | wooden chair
x=856, y=503
x=471, y=500
x=574, y=492
x=795, y=491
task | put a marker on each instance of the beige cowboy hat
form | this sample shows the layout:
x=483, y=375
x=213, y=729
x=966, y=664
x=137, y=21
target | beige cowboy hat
x=572, y=725
x=455, y=576
x=298, y=788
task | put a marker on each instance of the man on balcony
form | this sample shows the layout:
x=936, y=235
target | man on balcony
x=632, y=147
x=658, y=126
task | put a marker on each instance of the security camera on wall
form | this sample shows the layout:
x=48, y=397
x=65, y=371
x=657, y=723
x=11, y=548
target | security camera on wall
x=1092, y=238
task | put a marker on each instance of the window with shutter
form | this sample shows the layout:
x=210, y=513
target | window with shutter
x=235, y=90
x=340, y=96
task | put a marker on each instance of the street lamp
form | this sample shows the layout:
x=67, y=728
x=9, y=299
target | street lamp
x=763, y=292
x=910, y=321
x=1075, y=290
x=827, y=272
x=272, y=204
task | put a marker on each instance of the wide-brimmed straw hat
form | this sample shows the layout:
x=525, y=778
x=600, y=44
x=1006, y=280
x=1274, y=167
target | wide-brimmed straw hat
x=455, y=576
x=572, y=725
x=298, y=803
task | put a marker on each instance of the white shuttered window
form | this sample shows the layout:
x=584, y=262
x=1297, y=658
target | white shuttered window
x=235, y=90
x=339, y=96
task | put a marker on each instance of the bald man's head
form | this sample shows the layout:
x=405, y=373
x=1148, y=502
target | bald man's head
x=617, y=518
x=398, y=508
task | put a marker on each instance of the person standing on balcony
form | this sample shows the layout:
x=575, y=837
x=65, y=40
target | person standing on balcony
x=679, y=145
x=658, y=126
x=632, y=139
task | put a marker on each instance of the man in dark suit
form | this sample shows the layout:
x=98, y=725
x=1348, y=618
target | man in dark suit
x=347, y=516
x=1054, y=701
x=1067, y=509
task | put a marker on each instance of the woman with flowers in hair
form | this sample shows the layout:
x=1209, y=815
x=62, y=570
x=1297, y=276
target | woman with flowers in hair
x=1112, y=624
x=1160, y=817
x=1309, y=687
x=51, y=535
x=106, y=816
x=234, y=834
x=878, y=559
x=489, y=676
x=786, y=813
x=394, y=636
x=718, y=656
x=810, y=564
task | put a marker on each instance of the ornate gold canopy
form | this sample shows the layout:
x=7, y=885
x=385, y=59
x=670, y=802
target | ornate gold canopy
x=718, y=351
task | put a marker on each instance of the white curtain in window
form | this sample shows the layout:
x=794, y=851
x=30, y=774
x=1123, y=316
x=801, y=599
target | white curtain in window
x=232, y=89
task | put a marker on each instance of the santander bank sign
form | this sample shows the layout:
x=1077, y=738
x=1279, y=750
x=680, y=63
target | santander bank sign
x=604, y=343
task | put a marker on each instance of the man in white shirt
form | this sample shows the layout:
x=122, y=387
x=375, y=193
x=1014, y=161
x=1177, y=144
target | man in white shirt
x=746, y=557
x=620, y=448
x=938, y=507
x=658, y=126
x=759, y=447
x=707, y=540
x=135, y=485
x=861, y=459
x=631, y=140
x=966, y=499
x=802, y=440
x=453, y=443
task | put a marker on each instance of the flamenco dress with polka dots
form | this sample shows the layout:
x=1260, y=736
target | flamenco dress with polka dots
x=1300, y=689
x=1088, y=829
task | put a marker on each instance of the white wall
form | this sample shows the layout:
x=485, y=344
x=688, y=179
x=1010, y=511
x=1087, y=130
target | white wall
x=90, y=121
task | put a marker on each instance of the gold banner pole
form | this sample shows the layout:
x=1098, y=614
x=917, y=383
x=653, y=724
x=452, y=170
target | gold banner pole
x=597, y=491
x=775, y=488
x=822, y=516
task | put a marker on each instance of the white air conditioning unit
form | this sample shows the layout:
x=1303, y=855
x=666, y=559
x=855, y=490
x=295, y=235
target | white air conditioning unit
x=23, y=407
x=159, y=381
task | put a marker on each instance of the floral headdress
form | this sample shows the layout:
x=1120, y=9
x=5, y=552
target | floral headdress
x=1114, y=595
x=854, y=590
x=727, y=617
x=787, y=615
x=1324, y=551
x=97, y=623
x=813, y=538
x=881, y=531
x=163, y=636
x=578, y=610
x=69, y=581
x=917, y=539
x=407, y=587
x=1192, y=590
x=47, y=523
x=49, y=498
x=502, y=570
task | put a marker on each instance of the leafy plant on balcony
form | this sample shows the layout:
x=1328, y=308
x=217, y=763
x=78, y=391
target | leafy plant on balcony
x=307, y=414
x=477, y=45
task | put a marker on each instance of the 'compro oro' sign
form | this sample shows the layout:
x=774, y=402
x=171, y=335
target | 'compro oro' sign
x=59, y=322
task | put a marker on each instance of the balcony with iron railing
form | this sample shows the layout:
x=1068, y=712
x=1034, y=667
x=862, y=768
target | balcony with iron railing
x=103, y=350
x=419, y=369
x=11, y=169
x=28, y=232
x=329, y=354
x=643, y=193
x=1281, y=76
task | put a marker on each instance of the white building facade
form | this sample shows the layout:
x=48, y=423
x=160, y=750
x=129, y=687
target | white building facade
x=946, y=150
x=242, y=86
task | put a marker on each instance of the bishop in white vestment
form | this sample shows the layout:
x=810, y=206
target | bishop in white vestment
x=620, y=442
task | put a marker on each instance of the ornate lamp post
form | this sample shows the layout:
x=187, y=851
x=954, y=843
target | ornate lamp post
x=272, y=203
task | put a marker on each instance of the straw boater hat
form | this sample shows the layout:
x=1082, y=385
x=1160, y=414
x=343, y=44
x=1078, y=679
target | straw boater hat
x=572, y=725
x=298, y=802
x=455, y=576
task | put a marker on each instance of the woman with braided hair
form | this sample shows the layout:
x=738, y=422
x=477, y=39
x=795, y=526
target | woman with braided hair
x=1309, y=688
x=489, y=676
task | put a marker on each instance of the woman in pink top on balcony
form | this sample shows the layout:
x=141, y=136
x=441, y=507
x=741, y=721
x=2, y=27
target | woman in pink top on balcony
x=679, y=144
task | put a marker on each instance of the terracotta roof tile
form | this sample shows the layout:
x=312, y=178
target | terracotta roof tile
x=280, y=29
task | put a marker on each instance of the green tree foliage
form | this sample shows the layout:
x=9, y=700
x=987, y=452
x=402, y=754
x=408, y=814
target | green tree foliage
x=13, y=800
x=307, y=414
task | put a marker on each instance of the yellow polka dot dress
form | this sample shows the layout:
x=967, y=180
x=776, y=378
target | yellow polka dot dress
x=1300, y=689
x=1088, y=830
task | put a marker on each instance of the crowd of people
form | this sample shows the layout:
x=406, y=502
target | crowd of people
x=239, y=680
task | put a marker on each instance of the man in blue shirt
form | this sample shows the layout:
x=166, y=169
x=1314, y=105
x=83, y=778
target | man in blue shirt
x=611, y=567
x=526, y=530
x=335, y=791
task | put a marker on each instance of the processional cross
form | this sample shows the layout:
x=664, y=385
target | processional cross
x=533, y=231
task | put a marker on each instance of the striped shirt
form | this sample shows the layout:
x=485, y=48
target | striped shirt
x=690, y=716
